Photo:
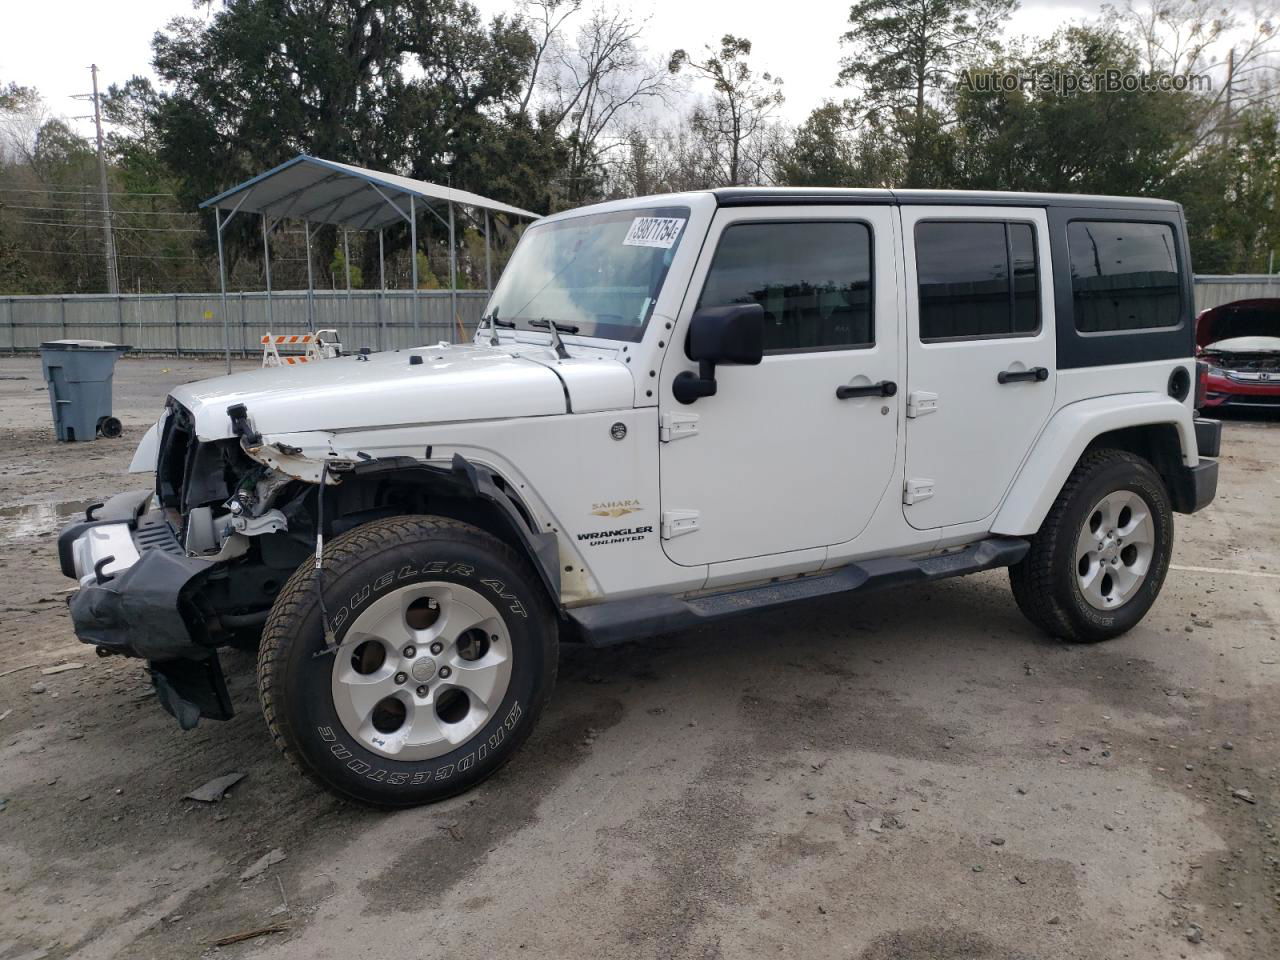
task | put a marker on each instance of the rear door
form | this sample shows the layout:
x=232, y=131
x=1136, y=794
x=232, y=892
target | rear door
x=980, y=355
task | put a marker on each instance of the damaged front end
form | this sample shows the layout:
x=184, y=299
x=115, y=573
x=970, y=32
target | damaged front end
x=173, y=574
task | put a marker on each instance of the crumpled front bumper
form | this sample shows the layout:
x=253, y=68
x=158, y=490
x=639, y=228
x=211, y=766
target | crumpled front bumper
x=136, y=599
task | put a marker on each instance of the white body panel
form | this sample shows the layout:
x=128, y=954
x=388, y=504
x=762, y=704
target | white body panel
x=571, y=473
x=109, y=542
x=778, y=463
x=1066, y=437
x=593, y=384
x=144, y=457
x=971, y=446
x=451, y=383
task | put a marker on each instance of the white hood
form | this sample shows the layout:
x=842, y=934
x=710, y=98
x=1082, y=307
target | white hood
x=451, y=383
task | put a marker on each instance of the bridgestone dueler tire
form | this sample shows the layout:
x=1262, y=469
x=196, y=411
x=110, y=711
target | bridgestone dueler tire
x=359, y=567
x=1044, y=582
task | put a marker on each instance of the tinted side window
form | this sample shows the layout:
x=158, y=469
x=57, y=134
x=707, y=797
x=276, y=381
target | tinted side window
x=813, y=280
x=1124, y=276
x=964, y=271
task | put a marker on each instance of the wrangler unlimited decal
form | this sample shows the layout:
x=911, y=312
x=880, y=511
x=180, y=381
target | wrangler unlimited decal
x=624, y=535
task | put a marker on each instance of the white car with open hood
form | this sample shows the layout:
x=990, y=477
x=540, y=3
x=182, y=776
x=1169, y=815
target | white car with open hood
x=677, y=410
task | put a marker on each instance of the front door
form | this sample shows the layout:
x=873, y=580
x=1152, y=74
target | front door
x=980, y=356
x=782, y=458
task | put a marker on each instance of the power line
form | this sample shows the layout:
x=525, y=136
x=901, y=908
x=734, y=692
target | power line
x=115, y=211
x=131, y=256
x=85, y=191
x=94, y=226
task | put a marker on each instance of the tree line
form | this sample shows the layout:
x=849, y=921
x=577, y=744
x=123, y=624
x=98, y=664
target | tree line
x=558, y=104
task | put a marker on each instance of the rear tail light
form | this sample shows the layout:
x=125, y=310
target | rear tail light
x=1202, y=386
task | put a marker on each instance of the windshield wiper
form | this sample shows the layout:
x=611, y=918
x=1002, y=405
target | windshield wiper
x=555, y=330
x=494, y=324
x=544, y=323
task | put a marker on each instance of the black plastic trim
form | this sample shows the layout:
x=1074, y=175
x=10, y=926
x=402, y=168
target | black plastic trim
x=750, y=197
x=619, y=621
x=1193, y=488
x=191, y=689
x=1076, y=349
x=144, y=610
x=829, y=196
x=1208, y=437
x=469, y=479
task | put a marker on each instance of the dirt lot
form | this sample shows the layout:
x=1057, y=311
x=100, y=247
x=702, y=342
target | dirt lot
x=915, y=774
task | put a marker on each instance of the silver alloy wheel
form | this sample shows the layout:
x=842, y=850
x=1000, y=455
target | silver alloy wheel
x=421, y=670
x=1114, y=549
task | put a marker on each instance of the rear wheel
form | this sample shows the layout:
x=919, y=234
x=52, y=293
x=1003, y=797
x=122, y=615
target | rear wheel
x=445, y=654
x=1100, y=558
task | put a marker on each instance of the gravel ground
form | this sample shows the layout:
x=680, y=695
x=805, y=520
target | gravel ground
x=913, y=774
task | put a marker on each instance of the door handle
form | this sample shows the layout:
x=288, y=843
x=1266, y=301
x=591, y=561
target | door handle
x=1035, y=374
x=885, y=388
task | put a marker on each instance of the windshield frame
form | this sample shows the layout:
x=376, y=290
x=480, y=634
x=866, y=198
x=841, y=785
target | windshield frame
x=626, y=332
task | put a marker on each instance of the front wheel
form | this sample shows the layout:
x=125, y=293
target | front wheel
x=1100, y=558
x=445, y=652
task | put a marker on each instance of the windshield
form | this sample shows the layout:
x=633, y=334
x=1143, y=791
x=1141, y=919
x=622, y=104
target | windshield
x=600, y=273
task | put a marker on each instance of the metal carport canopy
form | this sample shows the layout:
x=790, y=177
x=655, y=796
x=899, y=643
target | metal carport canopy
x=325, y=191
x=319, y=191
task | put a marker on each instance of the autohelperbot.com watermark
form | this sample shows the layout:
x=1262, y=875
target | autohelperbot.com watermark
x=1066, y=82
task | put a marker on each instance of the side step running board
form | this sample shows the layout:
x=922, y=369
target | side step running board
x=618, y=621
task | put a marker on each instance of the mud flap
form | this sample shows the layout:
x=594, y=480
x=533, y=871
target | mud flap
x=191, y=689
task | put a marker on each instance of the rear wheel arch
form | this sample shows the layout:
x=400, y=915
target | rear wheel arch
x=1155, y=428
x=1156, y=443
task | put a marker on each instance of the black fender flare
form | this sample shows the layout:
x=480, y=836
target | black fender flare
x=466, y=479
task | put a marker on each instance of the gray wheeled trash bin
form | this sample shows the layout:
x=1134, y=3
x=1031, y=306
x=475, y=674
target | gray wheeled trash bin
x=79, y=373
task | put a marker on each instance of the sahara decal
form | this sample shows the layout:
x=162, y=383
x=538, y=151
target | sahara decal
x=615, y=508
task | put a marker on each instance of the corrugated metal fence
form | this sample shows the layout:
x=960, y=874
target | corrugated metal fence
x=192, y=323
x=186, y=323
x=1214, y=291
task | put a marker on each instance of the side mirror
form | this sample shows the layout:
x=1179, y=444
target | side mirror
x=729, y=334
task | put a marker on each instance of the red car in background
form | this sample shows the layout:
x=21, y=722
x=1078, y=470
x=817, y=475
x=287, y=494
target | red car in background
x=1240, y=343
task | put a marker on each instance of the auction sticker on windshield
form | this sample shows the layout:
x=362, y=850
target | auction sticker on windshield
x=653, y=232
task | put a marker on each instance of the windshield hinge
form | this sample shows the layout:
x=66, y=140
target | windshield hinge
x=677, y=426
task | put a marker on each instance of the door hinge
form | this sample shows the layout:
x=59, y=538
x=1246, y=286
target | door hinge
x=677, y=426
x=916, y=490
x=676, y=523
x=921, y=402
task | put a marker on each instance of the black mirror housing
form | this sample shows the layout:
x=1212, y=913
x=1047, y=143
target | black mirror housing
x=729, y=334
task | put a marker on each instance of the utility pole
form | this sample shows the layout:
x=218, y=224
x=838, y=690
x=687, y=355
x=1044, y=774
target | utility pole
x=1231, y=78
x=113, y=281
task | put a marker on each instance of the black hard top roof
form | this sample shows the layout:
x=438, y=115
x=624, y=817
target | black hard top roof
x=774, y=196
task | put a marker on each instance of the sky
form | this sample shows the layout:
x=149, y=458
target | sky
x=51, y=44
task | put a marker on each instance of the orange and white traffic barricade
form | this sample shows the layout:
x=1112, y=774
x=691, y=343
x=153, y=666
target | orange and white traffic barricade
x=321, y=345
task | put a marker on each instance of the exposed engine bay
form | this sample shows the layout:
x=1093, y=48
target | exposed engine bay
x=1244, y=355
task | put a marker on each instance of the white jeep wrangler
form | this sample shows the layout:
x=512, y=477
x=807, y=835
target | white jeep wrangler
x=677, y=409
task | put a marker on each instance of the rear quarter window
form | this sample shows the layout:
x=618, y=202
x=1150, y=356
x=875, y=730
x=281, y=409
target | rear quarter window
x=1124, y=276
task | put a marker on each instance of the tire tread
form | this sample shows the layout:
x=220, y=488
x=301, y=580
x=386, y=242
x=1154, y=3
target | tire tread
x=1032, y=578
x=299, y=592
